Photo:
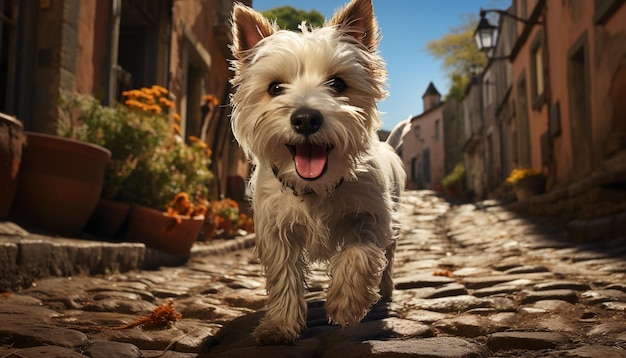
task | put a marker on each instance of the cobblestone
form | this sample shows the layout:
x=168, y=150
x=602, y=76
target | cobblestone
x=473, y=280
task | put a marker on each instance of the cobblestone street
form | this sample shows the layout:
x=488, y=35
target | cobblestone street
x=473, y=280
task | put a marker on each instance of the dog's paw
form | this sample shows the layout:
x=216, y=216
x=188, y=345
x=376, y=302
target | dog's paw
x=267, y=334
x=346, y=314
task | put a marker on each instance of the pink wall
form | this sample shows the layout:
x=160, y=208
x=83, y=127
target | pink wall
x=607, y=52
x=414, y=146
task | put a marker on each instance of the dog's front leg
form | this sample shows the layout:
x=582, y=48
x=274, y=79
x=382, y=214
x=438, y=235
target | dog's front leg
x=285, y=284
x=356, y=273
x=386, y=283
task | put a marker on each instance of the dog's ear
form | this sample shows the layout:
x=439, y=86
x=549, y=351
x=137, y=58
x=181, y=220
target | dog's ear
x=249, y=27
x=357, y=19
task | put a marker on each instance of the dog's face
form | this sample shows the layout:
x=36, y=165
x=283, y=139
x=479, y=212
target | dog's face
x=305, y=102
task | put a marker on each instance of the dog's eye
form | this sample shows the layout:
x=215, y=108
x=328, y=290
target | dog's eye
x=275, y=89
x=337, y=84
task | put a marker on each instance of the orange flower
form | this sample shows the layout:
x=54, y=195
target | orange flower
x=156, y=109
x=445, y=273
x=231, y=203
x=159, y=89
x=132, y=93
x=181, y=198
x=163, y=316
x=199, y=210
x=176, y=117
x=176, y=129
x=209, y=98
x=133, y=103
x=166, y=102
x=198, y=141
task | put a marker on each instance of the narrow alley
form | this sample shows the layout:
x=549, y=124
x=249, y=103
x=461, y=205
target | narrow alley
x=473, y=280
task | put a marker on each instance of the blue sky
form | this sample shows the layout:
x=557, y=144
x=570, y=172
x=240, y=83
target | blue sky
x=407, y=26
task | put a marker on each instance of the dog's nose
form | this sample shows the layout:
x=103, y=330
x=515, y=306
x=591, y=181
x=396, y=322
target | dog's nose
x=306, y=120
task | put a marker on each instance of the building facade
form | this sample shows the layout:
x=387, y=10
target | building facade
x=473, y=139
x=560, y=81
x=104, y=47
x=423, y=146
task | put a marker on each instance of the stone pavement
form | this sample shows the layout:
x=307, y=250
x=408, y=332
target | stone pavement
x=474, y=280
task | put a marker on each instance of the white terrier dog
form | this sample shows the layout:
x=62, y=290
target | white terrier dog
x=324, y=187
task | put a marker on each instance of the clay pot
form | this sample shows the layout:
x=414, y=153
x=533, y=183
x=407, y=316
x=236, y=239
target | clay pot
x=529, y=186
x=108, y=218
x=11, y=141
x=160, y=231
x=60, y=182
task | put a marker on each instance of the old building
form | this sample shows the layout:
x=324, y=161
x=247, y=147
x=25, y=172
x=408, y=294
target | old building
x=106, y=46
x=453, y=134
x=423, y=147
x=473, y=139
x=560, y=74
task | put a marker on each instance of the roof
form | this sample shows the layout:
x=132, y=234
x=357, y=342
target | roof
x=433, y=108
x=431, y=90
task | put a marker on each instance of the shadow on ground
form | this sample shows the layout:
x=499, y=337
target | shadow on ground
x=318, y=339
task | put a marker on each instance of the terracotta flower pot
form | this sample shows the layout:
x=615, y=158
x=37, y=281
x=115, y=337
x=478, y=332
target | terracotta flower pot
x=160, y=231
x=529, y=186
x=11, y=141
x=60, y=182
x=108, y=218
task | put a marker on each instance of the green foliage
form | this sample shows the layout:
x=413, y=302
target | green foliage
x=454, y=178
x=288, y=17
x=459, y=55
x=150, y=164
x=457, y=86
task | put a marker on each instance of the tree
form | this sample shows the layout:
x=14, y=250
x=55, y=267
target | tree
x=461, y=58
x=288, y=17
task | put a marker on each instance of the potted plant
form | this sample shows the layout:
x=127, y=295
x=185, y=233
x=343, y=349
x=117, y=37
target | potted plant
x=173, y=231
x=151, y=165
x=127, y=133
x=453, y=182
x=224, y=220
x=11, y=142
x=174, y=170
x=60, y=180
x=526, y=182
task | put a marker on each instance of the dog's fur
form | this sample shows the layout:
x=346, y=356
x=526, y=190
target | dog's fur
x=324, y=187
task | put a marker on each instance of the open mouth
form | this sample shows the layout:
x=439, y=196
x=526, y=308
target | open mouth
x=311, y=159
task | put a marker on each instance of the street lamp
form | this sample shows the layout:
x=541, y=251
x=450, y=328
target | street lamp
x=486, y=34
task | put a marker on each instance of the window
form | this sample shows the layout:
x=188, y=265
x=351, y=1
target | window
x=437, y=129
x=414, y=169
x=416, y=131
x=426, y=164
x=537, y=69
x=195, y=62
x=487, y=91
x=522, y=117
x=578, y=84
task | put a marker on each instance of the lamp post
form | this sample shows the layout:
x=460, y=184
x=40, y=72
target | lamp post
x=486, y=34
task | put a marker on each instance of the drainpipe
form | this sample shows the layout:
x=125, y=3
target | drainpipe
x=116, y=14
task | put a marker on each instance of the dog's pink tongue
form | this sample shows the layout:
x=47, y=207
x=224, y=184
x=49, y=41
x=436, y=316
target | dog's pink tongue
x=310, y=160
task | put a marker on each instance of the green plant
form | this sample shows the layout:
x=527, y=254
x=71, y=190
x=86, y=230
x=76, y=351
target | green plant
x=457, y=175
x=150, y=161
